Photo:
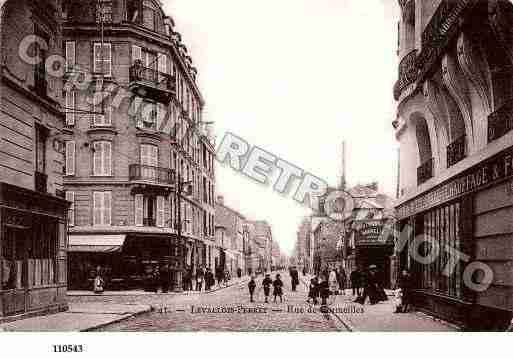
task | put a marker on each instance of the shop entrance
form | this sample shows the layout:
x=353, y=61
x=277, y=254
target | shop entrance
x=378, y=256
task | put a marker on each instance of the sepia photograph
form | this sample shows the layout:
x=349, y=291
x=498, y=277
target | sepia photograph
x=285, y=166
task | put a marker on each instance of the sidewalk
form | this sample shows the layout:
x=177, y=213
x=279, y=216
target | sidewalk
x=79, y=317
x=381, y=317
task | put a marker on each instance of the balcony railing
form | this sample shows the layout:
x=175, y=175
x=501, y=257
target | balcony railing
x=456, y=151
x=500, y=122
x=408, y=72
x=151, y=174
x=425, y=171
x=148, y=82
x=41, y=180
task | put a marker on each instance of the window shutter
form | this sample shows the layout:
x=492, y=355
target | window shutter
x=97, y=58
x=70, y=108
x=70, y=158
x=160, y=112
x=107, y=158
x=107, y=59
x=136, y=53
x=70, y=196
x=70, y=56
x=97, y=158
x=160, y=211
x=161, y=65
x=139, y=211
x=107, y=208
x=97, y=208
x=154, y=156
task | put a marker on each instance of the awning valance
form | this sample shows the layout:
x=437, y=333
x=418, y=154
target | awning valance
x=98, y=243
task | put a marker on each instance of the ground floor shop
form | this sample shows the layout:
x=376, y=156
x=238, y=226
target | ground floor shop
x=32, y=252
x=470, y=215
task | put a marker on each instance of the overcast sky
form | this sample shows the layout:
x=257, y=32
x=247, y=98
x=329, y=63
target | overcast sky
x=296, y=78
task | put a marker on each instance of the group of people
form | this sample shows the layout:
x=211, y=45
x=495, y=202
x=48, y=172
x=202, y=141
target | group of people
x=277, y=285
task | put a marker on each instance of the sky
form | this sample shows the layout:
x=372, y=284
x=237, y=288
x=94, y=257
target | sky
x=296, y=78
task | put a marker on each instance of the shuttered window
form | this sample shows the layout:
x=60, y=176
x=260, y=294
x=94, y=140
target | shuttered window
x=160, y=211
x=136, y=53
x=70, y=107
x=139, y=210
x=102, y=208
x=102, y=112
x=70, y=56
x=70, y=196
x=70, y=158
x=102, y=158
x=103, y=59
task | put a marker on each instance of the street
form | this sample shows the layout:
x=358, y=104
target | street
x=229, y=310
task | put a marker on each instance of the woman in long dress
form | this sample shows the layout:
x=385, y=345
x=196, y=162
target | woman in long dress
x=333, y=282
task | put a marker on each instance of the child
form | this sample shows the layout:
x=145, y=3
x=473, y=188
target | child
x=251, y=286
x=98, y=284
x=266, y=283
x=399, y=301
x=278, y=288
x=313, y=291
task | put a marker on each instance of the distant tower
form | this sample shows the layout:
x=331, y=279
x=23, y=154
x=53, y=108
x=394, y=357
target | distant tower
x=343, y=174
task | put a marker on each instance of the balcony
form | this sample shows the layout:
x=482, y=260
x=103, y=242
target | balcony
x=408, y=73
x=150, y=83
x=425, y=171
x=41, y=180
x=500, y=122
x=150, y=174
x=456, y=151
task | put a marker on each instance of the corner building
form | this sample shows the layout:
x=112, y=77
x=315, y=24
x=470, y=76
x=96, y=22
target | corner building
x=454, y=122
x=126, y=151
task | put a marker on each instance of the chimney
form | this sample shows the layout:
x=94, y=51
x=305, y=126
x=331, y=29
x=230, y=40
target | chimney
x=220, y=200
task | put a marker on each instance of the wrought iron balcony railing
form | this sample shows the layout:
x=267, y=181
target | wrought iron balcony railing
x=500, y=122
x=408, y=73
x=425, y=171
x=148, y=82
x=456, y=151
x=151, y=174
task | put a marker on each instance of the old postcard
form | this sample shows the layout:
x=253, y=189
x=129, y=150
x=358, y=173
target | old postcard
x=255, y=166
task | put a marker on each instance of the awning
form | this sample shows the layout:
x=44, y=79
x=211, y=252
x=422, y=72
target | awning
x=98, y=243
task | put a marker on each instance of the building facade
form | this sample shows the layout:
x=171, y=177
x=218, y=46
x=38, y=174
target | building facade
x=453, y=125
x=139, y=162
x=32, y=205
x=261, y=239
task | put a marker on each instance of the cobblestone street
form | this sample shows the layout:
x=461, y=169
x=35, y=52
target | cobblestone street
x=234, y=312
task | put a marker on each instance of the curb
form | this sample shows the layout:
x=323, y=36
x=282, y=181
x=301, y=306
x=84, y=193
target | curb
x=120, y=319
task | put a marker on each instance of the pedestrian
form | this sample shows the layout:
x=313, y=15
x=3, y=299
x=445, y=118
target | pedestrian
x=200, y=276
x=278, y=288
x=313, y=290
x=209, y=279
x=304, y=272
x=239, y=273
x=219, y=276
x=155, y=278
x=324, y=290
x=333, y=282
x=294, y=278
x=266, y=283
x=98, y=284
x=251, y=287
x=355, y=279
x=371, y=288
x=226, y=276
x=342, y=280
x=404, y=294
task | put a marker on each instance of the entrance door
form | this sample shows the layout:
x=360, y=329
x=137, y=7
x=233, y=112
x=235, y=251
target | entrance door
x=15, y=270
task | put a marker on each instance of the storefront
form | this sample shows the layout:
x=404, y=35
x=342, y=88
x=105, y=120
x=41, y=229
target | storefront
x=469, y=214
x=125, y=261
x=32, y=251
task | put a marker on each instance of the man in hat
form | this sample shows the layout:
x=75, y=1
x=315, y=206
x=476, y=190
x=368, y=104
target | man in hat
x=266, y=283
x=371, y=288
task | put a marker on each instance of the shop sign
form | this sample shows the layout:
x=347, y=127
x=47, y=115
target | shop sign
x=495, y=170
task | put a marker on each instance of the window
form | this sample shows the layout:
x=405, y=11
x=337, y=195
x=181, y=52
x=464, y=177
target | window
x=139, y=210
x=41, y=135
x=161, y=66
x=104, y=11
x=70, y=158
x=149, y=18
x=70, y=101
x=102, y=112
x=148, y=115
x=149, y=161
x=70, y=196
x=102, y=157
x=136, y=53
x=70, y=56
x=160, y=212
x=101, y=208
x=103, y=59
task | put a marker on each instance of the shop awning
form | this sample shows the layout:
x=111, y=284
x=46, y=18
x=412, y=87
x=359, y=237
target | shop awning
x=98, y=243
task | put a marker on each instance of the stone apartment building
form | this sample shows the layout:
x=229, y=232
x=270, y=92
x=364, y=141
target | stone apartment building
x=454, y=122
x=261, y=238
x=32, y=204
x=131, y=135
